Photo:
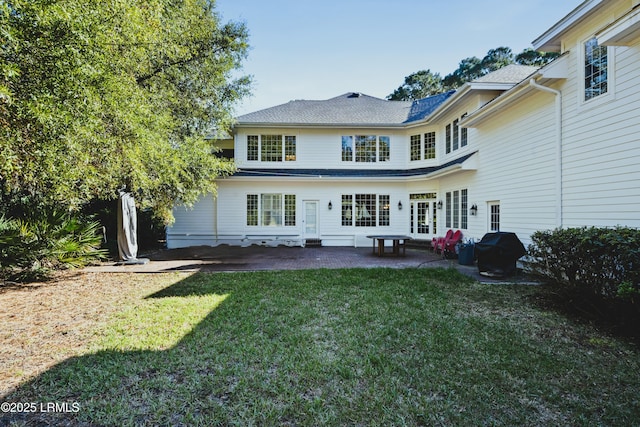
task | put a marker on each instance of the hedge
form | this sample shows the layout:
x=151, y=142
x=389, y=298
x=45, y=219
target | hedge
x=603, y=261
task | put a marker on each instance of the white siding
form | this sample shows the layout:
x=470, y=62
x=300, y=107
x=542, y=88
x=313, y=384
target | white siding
x=193, y=226
x=515, y=167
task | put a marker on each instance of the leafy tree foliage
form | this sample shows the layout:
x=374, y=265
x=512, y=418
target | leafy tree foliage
x=97, y=96
x=425, y=83
x=418, y=85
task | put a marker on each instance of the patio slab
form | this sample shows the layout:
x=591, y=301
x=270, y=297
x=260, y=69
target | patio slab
x=260, y=258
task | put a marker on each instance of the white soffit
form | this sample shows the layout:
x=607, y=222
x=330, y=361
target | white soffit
x=623, y=31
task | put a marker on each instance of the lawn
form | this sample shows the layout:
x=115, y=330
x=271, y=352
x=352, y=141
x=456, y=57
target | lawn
x=381, y=347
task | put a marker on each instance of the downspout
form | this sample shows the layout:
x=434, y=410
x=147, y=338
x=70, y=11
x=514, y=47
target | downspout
x=558, y=94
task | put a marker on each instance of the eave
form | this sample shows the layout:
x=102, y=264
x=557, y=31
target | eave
x=466, y=162
x=268, y=125
x=622, y=32
x=465, y=91
x=556, y=70
x=550, y=40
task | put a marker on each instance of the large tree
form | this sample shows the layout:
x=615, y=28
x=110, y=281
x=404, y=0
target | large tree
x=100, y=95
x=418, y=85
x=425, y=83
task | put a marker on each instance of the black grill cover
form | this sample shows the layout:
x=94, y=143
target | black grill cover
x=498, y=252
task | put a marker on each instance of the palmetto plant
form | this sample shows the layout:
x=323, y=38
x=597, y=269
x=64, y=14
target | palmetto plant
x=30, y=249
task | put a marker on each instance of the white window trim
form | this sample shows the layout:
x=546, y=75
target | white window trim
x=585, y=104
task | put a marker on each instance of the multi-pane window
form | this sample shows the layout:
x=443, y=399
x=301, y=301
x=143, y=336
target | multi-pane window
x=419, y=151
x=271, y=148
x=347, y=209
x=289, y=209
x=271, y=210
x=383, y=210
x=384, y=151
x=289, y=148
x=456, y=215
x=463, y=134
x=252, y=209
x=595, y=69
x=455, y=136
x=366, y=148
x=494, y=216
x=347, y=148
x=365, y=210
x=430, y=145
x=252, y=147
x=447, y=144
x=464, y=203
x=416, y=149
x=456, y=131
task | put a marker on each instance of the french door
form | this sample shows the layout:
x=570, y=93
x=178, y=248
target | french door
x=423, y=219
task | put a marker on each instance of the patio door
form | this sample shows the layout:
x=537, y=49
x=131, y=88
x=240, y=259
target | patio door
x=310, y=219
x=423, y=219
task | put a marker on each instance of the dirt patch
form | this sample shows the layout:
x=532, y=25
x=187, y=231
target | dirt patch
x=46, y=323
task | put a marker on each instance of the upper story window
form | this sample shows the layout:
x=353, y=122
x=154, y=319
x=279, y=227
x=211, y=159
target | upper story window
x=595, y=69
x=271, y=148
x=455, y=136
x=423, y=146
x=366, y=148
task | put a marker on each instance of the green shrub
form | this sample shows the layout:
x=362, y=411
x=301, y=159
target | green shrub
x=602, y=261
x=30, y=249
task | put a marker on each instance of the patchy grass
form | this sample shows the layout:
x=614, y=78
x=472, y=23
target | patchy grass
x=340, y=347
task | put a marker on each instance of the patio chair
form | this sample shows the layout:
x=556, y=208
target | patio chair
x=449, y=246
x=438, y=242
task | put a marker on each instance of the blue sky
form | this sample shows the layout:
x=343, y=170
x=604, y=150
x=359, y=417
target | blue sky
x=319, y=49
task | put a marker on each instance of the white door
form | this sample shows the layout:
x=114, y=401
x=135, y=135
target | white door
x=310, y=219
x=423, y=219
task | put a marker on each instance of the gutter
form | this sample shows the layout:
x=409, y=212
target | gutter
x=559, y=187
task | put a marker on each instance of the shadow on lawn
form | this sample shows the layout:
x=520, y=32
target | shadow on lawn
x=165, y=386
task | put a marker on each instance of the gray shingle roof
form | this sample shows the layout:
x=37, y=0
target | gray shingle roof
x=348, y=109
x=357, y=109
x=349, y=173
x=512, y=74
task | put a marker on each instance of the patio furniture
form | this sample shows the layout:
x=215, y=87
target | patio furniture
x=438, y=242
x=449, y=246
x=398, y=242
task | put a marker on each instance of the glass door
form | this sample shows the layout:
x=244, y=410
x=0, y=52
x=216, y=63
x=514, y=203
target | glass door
x=423, y=218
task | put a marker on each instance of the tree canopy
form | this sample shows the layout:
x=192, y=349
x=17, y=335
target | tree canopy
x=99, y=96
x=425, y=83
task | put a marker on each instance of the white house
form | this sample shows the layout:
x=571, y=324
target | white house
x=521, y=149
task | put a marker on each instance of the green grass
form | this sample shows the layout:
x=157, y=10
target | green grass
x=344, y=347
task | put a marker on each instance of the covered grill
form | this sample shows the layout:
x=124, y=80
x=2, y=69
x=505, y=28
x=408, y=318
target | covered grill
x=497, y=254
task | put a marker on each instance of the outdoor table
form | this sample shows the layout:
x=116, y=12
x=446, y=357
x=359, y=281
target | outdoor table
x=396, y=244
